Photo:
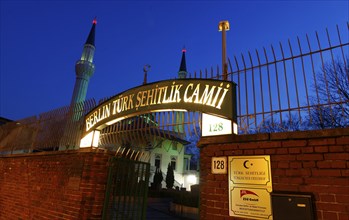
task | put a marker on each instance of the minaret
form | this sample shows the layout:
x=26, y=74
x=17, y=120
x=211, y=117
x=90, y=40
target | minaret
x=182, y=73
x=84, y=68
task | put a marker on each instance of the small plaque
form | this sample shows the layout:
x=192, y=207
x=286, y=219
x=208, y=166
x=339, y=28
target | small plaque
x=219, y=165
x=213, y=125
x=250, y=185
x=250, y=202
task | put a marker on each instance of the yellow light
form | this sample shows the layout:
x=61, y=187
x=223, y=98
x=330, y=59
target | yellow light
x=191, y=179
x=95, y=139
x=114, y=121
x=90, y=140
x=235, y=128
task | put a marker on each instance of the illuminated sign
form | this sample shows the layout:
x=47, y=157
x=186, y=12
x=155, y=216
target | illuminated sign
x=208, y=96
x=250, y=186
x=91, y=139
x=213, y=125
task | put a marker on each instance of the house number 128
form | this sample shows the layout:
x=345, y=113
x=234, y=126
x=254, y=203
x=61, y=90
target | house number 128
x=219, y=165
x=216, y=127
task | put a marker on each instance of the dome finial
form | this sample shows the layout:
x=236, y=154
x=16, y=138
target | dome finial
x=91, y=37
x=182, y=73
x=183, y=49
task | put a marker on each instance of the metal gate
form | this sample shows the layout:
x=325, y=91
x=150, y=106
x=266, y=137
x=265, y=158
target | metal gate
x=127, y=189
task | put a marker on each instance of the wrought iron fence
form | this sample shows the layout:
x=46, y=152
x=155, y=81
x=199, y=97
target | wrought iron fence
x=126, y=190
x=143, y=131
x=301, y=86
x=59, y=128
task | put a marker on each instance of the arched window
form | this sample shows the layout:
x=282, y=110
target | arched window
x=157, y=160
x=173, y=162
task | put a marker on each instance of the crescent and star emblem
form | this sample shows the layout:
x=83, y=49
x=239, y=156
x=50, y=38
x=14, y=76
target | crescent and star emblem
x=247, y=164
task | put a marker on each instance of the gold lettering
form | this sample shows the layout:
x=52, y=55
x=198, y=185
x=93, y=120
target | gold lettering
x=114, y=107
x=161, y=89
x=189, y=92
x=119, y=105
x=222, y=97
x=138, y=103
x=99, y=114
x=216, y=97
x=177, y=94
x=156, y=93
x=172, y=87
x=107, y=111
x=144, y=95
x=124, y=103
x=196, y=93
x=130, y=101
x=165, y=93
x=150, y=96
x=88, y=125
x=186, y=98
x=95, y=119
x=206, y=97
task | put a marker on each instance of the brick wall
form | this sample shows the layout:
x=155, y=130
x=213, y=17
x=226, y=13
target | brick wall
x=53, y=185
x=309, y=161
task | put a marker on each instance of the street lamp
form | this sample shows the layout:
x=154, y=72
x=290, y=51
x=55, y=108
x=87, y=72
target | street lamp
x=224, y=26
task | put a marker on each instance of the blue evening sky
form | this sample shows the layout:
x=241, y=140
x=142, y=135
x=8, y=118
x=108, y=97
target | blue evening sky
x=42, y=40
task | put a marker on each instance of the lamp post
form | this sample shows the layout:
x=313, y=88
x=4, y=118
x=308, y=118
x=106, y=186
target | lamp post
x=224, y=26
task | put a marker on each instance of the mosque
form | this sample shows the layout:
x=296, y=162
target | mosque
x=166, y=148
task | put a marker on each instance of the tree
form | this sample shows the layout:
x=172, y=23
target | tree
x=169, y=177
x=157, y=179
x=292, y=122
x=193, y=150
x=331, y=100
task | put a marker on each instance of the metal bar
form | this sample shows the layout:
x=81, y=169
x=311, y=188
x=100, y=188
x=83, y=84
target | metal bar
x=189, y=130
x=107, y=191
x=269, y=86
x=132, y=187
x=239, y=92
x=334, y=71
x=261, y=84
x=195, y=131
x=304, y=78
x=334, y=66
x=253, y=91
x=343, y=56
x=145, y=192
x=246, y=91
x=230, y=72
x=217, y=72
x=295, y=81
x=286, y=80
x=314, y=77
x=325, y=77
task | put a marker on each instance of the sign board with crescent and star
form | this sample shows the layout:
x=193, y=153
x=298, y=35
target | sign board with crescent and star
x=250, y=185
